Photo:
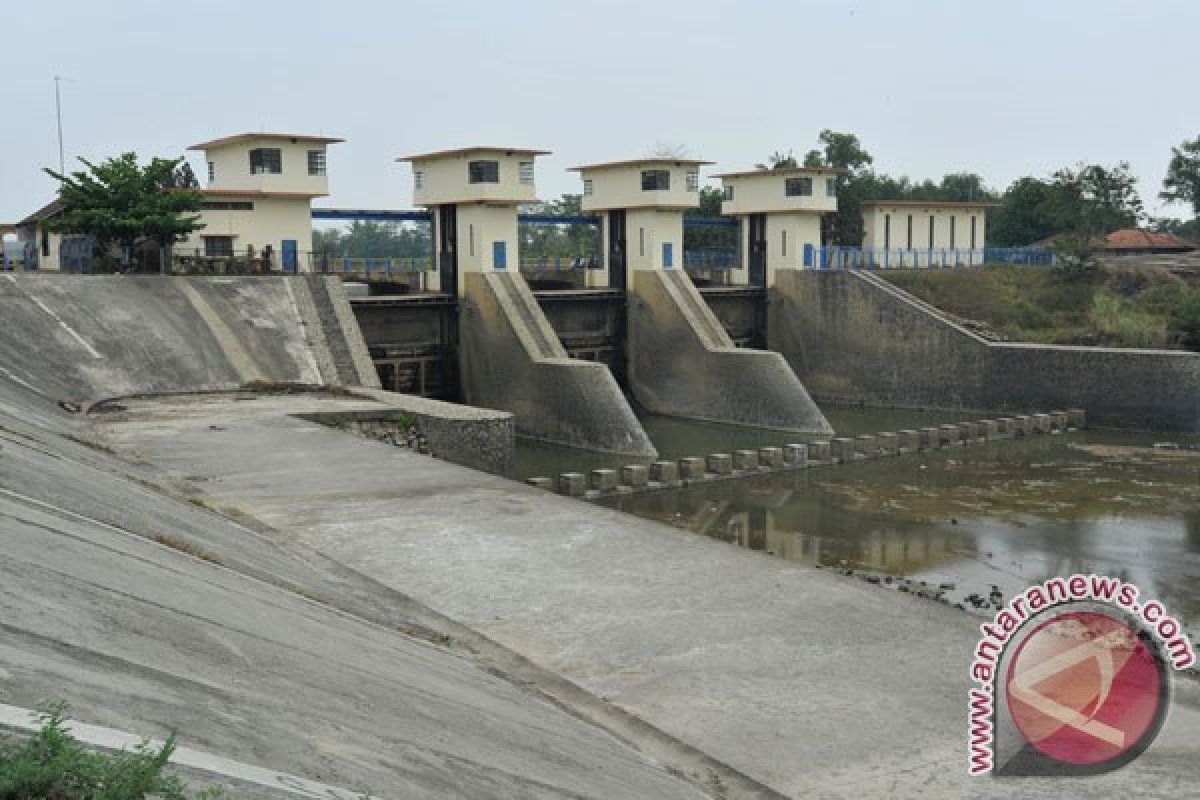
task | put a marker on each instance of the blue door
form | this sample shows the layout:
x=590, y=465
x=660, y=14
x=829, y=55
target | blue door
x=289, y=255
x=499, y=255
x=668, y=261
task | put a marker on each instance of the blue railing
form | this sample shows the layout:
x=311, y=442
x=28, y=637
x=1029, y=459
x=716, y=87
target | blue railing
x=837, y=257
x=713, y=258
x=559, y=263
x=371, y=264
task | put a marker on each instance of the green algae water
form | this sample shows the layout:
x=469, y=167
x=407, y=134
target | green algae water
x=952, y=523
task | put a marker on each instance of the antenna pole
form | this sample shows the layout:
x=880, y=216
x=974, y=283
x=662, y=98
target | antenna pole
x=62, y=164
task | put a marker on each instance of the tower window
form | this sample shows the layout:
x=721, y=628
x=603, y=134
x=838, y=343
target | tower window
x=797, y=187
x=266, y=161
x=525, y=172
x=654, y=180
x=483, y=172
x=316, y=162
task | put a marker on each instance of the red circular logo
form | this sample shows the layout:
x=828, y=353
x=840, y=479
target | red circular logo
x=1084, y=689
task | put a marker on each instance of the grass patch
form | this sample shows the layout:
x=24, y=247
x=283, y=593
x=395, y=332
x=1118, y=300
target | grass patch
x=184, y=546
x=1123, y=306
x=51, y=764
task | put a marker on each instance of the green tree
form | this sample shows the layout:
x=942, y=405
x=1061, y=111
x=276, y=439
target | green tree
x=845, y=152
x=559, y=241
x=119, y=202
x=365, y=238
x=779, y=160
x=1097, y=199
x=1030, y=210
x=1182, y=183
x=814, y=158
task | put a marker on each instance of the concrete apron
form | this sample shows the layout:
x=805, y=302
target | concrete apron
x=813, y=684
x=683, y=363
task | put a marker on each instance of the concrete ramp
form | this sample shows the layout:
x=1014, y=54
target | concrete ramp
x=682, y=362
x=512, y=360
x=84, y=338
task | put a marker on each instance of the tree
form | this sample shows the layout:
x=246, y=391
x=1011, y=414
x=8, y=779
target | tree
x=778, y=160
x=1182, y=183
x=814, y=158
x=844, y=150
x=118, y=202
x=366, y=238
x=1097, y=199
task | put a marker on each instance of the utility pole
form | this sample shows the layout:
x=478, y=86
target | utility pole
x=62, y=162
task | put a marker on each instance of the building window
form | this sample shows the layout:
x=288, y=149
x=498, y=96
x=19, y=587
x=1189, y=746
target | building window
x=525, y=172
x=316, y=162
x=972, y=231
x=692, y=180
x=418, y=179
x=887, y=231
x=227, y=205
x=218, y=246
x=655, y=180
x=45, y=243
x=212, y=172
x=953, y=219
x=727, y=194
x=931, y=231
x=908, y=246
x=830, y=187
x=797, y=187
x=483, y=172
x=587, y=187
x=266, y=161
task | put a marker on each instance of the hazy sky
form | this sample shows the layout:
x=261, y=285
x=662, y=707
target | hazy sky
x=1002, y=88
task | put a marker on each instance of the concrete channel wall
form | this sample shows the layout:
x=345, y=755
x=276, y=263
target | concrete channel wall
x=855, y=338
x=512, y=360
x=81, y=338
x=683, y=363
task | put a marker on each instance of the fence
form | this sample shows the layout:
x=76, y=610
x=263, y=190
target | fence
x=837, y=257
x=711, y=258
x=559, y=264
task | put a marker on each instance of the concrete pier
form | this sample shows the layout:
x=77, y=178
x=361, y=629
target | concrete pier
x=773, y=457
x=691, y=468
x=683, y=363
x=866, y=445
x=841, y=449
x=719, y=463
x=512, y=360
x=819, y=451
x=634, y=475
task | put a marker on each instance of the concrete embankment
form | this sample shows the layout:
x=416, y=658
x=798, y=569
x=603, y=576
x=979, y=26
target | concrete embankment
x=683, y=363
x=511, y=359
x=855, y=338
x=84, y=338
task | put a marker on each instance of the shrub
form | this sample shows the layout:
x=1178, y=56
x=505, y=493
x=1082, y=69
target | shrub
x=51, y=765
x=1120, y=326
x=1187, y=318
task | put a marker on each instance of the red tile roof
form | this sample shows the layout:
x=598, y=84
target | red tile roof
x=1137, y=239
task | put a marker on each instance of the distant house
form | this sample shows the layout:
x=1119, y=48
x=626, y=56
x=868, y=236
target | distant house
x=1134, y=241
x=914, y=225
x=40, y=247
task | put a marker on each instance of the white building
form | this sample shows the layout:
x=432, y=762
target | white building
x=926, y=232
x=258, y=197
x=642, y=201
x=474, y=193
x=780, y=213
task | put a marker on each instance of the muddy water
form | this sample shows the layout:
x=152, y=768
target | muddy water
x=956, y=523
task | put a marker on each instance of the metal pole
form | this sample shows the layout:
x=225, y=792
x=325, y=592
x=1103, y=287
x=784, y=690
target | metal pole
x=62, y=164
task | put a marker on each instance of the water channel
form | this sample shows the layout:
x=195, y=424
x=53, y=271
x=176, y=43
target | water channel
x=948, y=523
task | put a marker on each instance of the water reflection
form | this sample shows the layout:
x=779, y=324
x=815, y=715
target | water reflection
x=1004, y=515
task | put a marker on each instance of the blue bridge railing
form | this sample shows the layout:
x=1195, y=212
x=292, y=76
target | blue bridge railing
x=715, y=258
x=837, y=257
x=559, y=264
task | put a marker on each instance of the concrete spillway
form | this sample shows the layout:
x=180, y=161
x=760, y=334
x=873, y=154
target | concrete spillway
x=511, y=359
x=84, y=338
x=682, y=362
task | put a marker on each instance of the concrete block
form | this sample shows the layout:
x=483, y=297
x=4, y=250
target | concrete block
x=866, y=445
x=907, y=441
x=603, y=480
x=720, y=463
x=889, y=444
x=927, y=438
x=540, y=483
x=1022, y=425
x=635, y=475
x=991, y=429
x=819, y=451
x=1058, y=420
x=773, y=456
x=841, y=450
x=966, y=432
x=948, y=435
x=664, y=471
x=797, y=455
x=1077, y=418
x=691, y=468
x=1004, y=426
x=572, y=484
x=745, y=459
x=1041, y=423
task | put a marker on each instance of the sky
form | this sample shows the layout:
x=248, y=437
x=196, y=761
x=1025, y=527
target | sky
x=1004, y=89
